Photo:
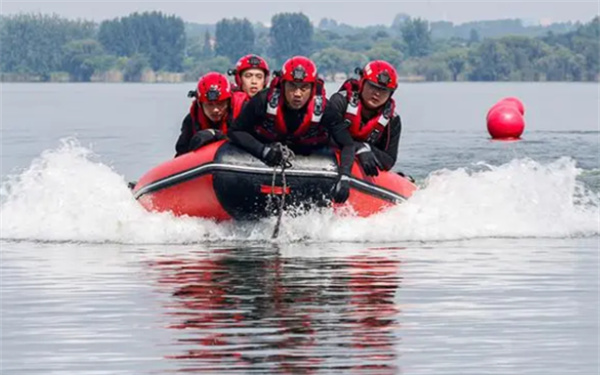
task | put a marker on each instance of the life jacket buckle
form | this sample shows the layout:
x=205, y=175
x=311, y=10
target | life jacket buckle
x=374, y=136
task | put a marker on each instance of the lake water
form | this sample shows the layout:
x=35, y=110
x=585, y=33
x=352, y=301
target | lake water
x=490, y=268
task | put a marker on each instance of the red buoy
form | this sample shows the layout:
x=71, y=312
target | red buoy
x=505, y=122
x=511, y=101
x=515, y=101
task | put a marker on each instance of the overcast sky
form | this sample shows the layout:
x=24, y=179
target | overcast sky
x=351, y=12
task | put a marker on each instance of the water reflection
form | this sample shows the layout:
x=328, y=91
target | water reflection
x=253, y=310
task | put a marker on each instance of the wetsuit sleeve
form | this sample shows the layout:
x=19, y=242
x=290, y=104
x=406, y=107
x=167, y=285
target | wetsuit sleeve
x=386, y=148
x=241, y=132
x=183, y=142
x=333, y=121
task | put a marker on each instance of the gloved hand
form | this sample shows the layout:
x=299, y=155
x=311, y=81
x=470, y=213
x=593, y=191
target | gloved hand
x=204, y=137
x=367, y=159
x=341, y=190
x=272, y=156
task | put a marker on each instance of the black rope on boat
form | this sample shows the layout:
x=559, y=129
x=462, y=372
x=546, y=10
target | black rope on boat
x=286, y=162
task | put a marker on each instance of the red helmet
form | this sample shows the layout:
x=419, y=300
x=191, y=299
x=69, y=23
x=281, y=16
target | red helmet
x=381, y=74
x=249, y=62
x=213, y=86
x=299, y=69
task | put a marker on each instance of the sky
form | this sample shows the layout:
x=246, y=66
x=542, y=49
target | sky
x=354, y=13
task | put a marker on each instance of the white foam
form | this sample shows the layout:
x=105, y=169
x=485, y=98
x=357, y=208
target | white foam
x=67, y=195
x=522, y=198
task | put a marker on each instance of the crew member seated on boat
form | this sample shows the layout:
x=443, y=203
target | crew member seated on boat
x=361, y=119
x=251, y=75
x=288, y=112
x=213, y=110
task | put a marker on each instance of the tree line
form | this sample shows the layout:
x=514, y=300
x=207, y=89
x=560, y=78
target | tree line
x=39, y=47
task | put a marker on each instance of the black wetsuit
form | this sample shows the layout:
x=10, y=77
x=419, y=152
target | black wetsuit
x=243, y=133
x=184, y=142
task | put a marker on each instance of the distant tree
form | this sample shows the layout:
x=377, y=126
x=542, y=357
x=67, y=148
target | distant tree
x=207, y=50
x=261, y=45
x=103, y=63
x=33, y=43
x=417, y=37
x=360, y=42
x=490, y=29
x=562, y=65
x=399, y=20
x=577, y=67
x=334, y=60
x=442, y=30
x=381, y=34
x=524, y=52
x=291, y=34
x=159, y=37
x=235, y=38
x=490, y=61
x=329, y=60
x=327, y=24
x=193, y=48
x=134, y=67
x=433, y=70
x=82, y=58
x=473, y=36
x=324, y=39
x=456, y=61
x=216, y=64
x=583, y=41
x=387, y=53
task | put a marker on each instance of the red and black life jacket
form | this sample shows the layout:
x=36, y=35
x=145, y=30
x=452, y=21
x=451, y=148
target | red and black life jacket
x=310, y=132
x=373, y=129
x=201, y=121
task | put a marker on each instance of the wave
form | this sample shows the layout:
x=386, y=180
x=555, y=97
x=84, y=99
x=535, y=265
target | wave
x=67, y=195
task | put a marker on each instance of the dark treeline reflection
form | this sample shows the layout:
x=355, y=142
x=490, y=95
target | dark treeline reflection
x=252, y=310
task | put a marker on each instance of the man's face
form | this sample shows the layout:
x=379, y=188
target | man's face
x=297, y=94
x=253, y=80
x=215, y=110
x=374, y=97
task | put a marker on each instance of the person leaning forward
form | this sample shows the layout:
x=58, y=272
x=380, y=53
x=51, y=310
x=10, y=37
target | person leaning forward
x=287, y=112
x=214, y=108
x=361, y=119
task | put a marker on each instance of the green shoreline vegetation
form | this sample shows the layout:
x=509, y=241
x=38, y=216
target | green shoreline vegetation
x=155, y=47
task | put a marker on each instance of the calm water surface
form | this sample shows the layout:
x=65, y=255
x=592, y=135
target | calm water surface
x=491, y=268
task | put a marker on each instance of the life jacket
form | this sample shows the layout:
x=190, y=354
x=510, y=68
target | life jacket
x=310, y=132
x=201, y=121
x=239, y=98
x=373, y=129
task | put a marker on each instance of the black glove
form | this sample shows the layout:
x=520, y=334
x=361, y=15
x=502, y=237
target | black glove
x=367, y=159
x=272, y=156
x=204, y=137
x=341, y=190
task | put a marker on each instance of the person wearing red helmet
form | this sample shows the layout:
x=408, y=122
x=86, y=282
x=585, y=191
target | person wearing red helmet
x=211, y=113
x=251, y=74
x=288, y=112
x=361, y=119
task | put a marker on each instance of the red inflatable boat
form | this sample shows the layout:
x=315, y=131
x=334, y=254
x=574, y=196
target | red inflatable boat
x=222, y=182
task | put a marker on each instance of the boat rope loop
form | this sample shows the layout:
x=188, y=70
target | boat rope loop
x=286, y=162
